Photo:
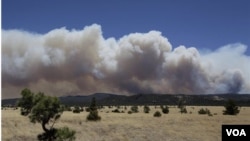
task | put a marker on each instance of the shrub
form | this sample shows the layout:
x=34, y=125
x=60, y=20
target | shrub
x=76, y=109
x=65, y=133
x=87, y=109
x=181, y=103
x=157, y=114
x=204, y=111
x=93, y=116
x=183, y=110
x=129, y=112
x=146, y=109
x=231, y=108
x=134, y=109
x=165, y=109
x=67, y=108
x=116, y=111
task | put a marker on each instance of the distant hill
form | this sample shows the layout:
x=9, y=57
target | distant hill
x=150, y=99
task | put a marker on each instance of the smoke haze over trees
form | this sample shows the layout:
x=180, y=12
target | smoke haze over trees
x=64, y=62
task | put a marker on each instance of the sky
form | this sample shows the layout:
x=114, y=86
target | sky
x=214, y=35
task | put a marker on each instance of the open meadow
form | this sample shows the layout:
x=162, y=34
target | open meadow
x=130, y=127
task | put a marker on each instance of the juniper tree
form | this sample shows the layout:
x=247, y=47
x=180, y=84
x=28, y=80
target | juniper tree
x=45, y=110
x=93, y=113
x=231, y=108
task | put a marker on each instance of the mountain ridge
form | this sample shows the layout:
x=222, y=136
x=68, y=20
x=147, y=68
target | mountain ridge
x=149, y=99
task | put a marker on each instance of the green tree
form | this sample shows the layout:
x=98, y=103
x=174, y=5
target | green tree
x=231, y=108
x=93, y=113
x=45, y=110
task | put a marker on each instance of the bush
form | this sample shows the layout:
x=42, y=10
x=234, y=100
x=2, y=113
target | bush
x=116, y=111
x=134, y=109
x=146, y=109
x=181, y=103
x=87, y=109
x=93, y=116
x=129, y=112
x=204, y=111
x=65, y=133
x=231, y=108
x=76, y=109
x=183, y=110
x=67, y=108
x=157, y=114
x=165, y=109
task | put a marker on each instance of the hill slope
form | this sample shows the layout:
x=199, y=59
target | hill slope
x=150, y=99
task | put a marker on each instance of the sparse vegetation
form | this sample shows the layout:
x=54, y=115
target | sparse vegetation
x=128, y=126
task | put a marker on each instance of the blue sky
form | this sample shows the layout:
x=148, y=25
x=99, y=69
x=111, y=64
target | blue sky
x=203, y=24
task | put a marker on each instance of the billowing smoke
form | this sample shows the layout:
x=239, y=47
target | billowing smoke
x=64, y=62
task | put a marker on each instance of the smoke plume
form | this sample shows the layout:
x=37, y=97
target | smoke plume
x=65, y=62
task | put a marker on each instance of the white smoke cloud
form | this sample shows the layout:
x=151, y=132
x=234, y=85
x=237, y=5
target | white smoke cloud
x=64, y=62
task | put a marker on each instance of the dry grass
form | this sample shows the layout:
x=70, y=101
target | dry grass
x=130, y=127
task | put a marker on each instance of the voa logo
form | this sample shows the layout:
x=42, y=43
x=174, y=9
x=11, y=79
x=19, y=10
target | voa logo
x=236, y=132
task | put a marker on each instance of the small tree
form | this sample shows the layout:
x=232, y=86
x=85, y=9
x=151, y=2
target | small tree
x=231, y=108
x=134, y=109
x=181, y=106
x=146, y=109
x=93, y=113
x=45, y=110
x=181, y=103
x=165, y=109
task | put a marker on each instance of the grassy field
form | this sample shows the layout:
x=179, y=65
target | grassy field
x=130, y=127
